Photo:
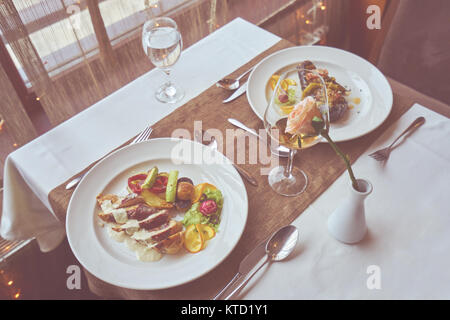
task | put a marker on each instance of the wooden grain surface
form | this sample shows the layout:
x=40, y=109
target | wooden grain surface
x=267, y=210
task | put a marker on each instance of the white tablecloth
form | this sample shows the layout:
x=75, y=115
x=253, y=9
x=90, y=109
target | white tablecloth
x=408, y=218
x=32, y=171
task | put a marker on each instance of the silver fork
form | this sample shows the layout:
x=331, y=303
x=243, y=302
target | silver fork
x=141, y=137
x=383, y=154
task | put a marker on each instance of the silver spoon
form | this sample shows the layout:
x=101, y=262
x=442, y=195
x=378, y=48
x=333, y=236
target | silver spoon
x=278, y=248
x=231, y=84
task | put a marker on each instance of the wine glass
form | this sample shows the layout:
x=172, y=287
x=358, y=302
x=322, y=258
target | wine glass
x=163, y=44
x=299, y=96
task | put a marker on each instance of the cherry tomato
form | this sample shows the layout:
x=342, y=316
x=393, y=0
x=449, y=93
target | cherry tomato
x=160, y=184
x=135, y=182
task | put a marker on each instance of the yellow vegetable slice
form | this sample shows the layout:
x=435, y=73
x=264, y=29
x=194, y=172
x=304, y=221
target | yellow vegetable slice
x=207, y=231
x=273, y=81
x=284, y=84
x=153, y=200
x=287, y=109
x=290, y=82
x=193, y=239
x=311, y=87
x=199, y=190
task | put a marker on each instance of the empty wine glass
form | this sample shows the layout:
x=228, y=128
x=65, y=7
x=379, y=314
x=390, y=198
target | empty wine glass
x=288, y=119
x=163, y=44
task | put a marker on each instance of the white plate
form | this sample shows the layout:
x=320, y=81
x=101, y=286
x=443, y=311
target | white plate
x=363, y=79
x=112, y=261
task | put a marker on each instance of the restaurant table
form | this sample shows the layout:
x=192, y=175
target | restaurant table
x=37, y=169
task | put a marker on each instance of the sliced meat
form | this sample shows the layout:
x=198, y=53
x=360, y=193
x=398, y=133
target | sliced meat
x=155, y=220
x=172, y=228
x=130, y=211
x=141, y=212
x=160, y=233
x=114, y=216
x=131, y=199
x=111, y=197
x=109, y=216
x=172, y=244
x=130, y=227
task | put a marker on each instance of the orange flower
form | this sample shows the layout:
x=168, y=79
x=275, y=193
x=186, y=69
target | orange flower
x=300, y=119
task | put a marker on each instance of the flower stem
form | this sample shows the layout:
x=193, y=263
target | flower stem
x=340, y=153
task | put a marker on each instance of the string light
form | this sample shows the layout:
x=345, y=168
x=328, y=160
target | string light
x=14, y=291
x=152, y=3
x=2, y=122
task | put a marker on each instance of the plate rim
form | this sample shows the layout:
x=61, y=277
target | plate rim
x=245, y=210
x=319, y=47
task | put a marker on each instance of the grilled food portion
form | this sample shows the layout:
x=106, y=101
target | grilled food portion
x=145, y=218
x=336, y=93
x=143, y=227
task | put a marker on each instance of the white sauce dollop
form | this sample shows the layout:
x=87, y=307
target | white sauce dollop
x=143, y=252
x=118, y=236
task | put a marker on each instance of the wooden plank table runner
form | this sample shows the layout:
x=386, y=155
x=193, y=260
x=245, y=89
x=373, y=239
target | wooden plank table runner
x=267, y=210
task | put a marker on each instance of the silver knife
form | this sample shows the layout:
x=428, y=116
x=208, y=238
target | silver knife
x=239, y=124
x=281, y=151
x=246, y=265
x=241, y=90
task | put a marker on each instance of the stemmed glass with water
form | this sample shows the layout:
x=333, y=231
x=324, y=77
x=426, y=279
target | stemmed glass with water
x=162, y=43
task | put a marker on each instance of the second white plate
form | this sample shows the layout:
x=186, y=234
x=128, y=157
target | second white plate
x=364, y=80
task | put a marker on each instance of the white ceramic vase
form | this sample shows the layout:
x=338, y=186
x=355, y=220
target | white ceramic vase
x=347, y=223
